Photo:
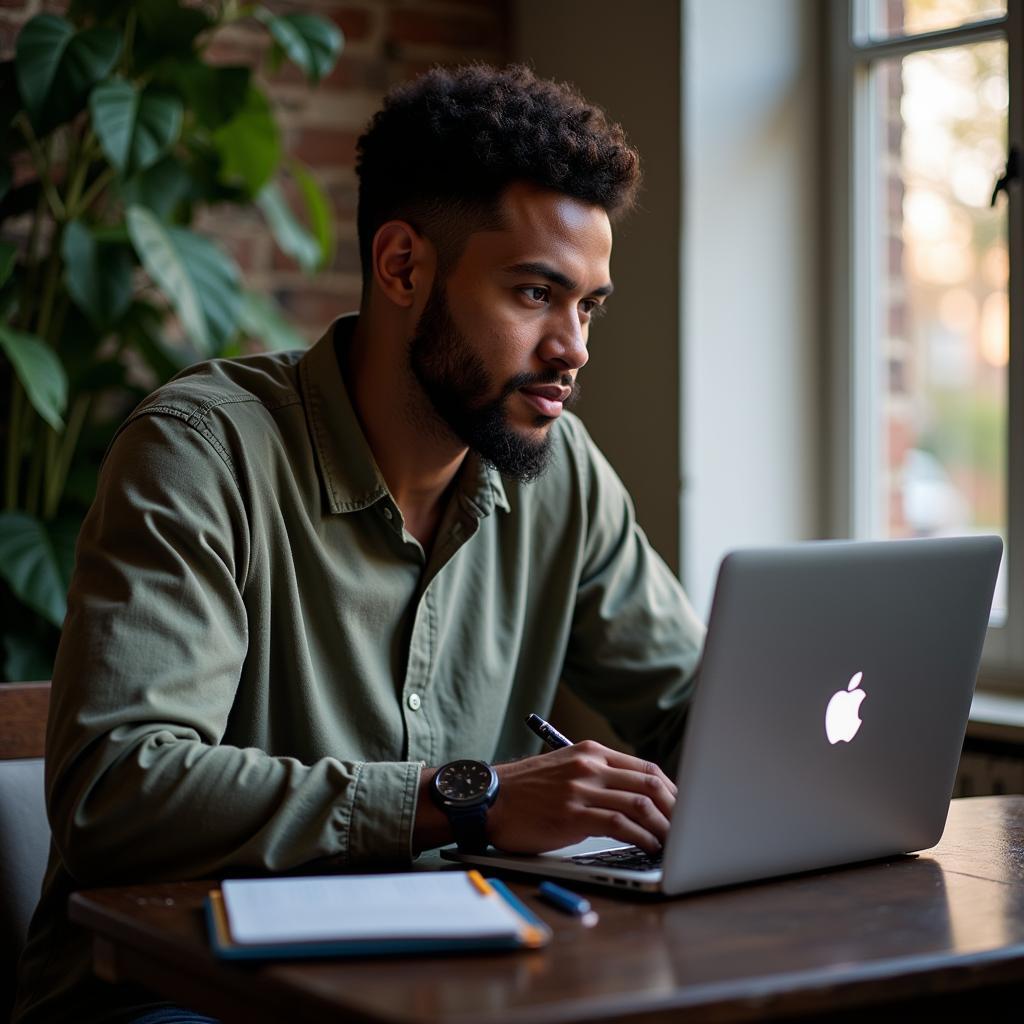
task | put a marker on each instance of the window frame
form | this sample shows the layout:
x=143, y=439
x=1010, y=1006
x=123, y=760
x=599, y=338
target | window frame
x=852, y=204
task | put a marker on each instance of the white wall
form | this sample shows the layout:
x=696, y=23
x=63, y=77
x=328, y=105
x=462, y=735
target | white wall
x=751, y=374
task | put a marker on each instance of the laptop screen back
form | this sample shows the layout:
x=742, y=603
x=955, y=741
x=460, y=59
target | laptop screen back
x=772, y=780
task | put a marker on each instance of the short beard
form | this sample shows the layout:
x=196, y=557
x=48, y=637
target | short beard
x=453, y=376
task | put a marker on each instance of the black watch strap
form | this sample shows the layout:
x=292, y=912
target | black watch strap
x=469, y=827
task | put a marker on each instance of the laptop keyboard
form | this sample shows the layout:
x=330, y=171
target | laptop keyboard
x=631, y=858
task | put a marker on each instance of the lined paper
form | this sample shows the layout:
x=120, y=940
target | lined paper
x=417, y=904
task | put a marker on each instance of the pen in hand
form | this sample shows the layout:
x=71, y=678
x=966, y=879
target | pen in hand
x=547, y=732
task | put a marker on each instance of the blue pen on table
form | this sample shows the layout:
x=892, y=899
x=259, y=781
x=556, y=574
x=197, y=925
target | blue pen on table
x=547, y=732
x=568, y=902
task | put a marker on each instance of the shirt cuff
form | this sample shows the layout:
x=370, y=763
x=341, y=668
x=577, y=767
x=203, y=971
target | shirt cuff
x=383, y=813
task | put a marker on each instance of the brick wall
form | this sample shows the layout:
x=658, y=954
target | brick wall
x=386, y=41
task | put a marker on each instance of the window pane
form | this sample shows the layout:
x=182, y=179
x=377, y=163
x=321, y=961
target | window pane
x=941, y=322
x=908, y=17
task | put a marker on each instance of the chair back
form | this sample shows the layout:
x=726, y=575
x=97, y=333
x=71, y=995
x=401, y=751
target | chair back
x=24, y=830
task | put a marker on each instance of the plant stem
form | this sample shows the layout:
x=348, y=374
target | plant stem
x=58, y=321
x=57, y=475
x=35, y=479
x=50, y=284
x=41, y=163
x=129, y=39
x=95, y=189
x=32, y=262
x=74, y=193
x=14, y=444
x=49, y=461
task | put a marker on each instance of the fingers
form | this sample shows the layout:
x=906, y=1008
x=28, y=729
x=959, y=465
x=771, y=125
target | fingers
x=619, y=760
x=621, y=771
x=619, y=826
x=640, y=809
x=585, y=789
x=649, y=787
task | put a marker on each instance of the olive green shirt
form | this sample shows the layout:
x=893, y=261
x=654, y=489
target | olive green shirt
x=258, y=657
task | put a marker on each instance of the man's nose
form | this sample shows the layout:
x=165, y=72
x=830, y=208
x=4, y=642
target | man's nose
x=565, y=344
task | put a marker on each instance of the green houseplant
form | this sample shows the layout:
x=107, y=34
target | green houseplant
x=114, y=133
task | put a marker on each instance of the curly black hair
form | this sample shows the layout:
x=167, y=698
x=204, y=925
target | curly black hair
x=445, y=146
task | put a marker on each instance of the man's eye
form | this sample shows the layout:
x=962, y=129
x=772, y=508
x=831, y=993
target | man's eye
x=592, y=307
x=535, y=292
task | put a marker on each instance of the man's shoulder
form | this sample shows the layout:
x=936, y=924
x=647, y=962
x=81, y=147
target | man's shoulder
x=233, y=409
x=268, y=381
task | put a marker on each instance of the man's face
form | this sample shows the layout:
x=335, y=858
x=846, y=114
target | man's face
x=500, y=342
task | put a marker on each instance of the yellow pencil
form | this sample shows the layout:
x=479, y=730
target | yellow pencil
x=480, y=883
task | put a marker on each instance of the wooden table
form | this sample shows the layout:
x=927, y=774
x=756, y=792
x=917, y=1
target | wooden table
x=945, y=929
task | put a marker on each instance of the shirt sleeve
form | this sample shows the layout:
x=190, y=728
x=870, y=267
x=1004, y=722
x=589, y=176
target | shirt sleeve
x=139, y=784
x=635, y=641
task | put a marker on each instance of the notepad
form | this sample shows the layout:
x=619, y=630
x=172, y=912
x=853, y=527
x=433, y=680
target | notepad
x=348, y=914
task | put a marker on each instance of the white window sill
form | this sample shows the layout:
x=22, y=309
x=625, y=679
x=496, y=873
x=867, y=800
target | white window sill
x=997, y=716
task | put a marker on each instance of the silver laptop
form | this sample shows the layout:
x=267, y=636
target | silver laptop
x=827, y=721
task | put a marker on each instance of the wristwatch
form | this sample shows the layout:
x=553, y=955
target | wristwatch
x=465, y=790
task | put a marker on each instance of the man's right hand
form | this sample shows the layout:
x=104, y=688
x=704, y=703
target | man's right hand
x=552, y=800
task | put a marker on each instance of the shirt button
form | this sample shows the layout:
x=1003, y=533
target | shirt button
x=414, y=701
x=387, y=513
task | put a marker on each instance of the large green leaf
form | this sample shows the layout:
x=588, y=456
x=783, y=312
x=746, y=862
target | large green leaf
x=56, y=67
x=36, y=560
x=290, y=235
x=166, y=28
x=260, y=319
x=318, y=211
x=214, y=94
x=142, y=329
x=40, y=373
x=159, y=188
x=249, y=144
x=313, y=43
x=135, y=128
x=98, y=275
x=199, y=280
x=203, y=162
x=39, y=50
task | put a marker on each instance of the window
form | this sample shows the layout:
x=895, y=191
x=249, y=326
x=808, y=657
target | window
x=926, y=279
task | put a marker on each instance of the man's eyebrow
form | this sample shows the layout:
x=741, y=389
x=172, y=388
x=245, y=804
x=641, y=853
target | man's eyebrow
x=549, y=273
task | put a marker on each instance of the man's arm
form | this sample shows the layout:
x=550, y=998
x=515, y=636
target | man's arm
x=139, y=782
x=559, y=798
x=635, y=643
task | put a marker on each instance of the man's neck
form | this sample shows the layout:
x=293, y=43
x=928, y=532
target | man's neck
x=418, y=465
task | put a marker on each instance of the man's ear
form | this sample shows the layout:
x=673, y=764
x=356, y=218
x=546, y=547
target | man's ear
x=404, y=262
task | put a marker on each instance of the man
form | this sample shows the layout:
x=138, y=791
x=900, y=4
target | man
x=310, y=580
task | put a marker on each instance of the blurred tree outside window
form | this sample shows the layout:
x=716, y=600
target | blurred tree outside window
x=930, y=84
x=943, y=293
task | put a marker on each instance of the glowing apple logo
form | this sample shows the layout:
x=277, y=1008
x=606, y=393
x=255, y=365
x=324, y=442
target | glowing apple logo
x=841, y=716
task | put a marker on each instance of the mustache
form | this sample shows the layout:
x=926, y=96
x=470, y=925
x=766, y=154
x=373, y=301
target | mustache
x=531, y=380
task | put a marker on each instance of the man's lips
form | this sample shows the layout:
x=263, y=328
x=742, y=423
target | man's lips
x=547, y=399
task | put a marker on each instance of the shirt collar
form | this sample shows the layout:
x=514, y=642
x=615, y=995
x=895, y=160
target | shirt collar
x=350, y=475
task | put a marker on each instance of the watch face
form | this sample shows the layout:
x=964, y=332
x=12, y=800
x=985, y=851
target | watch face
x=463, y=780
